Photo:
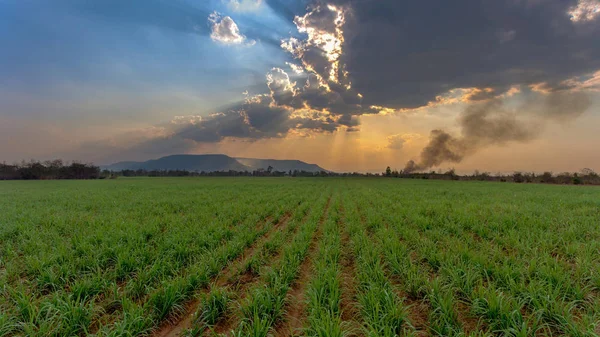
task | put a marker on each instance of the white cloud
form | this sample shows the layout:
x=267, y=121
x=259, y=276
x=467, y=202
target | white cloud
x=226, y=31
x=298, y=69
x=584, y=83
x=244, y=5
x=592, y=83
x=184, y=120
x=586, y=10
x=321, y=51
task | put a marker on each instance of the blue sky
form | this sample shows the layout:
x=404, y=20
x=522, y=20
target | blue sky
x=67, y=50
x=348, y=84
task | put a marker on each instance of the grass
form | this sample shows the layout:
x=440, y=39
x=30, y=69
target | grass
x=125, y=257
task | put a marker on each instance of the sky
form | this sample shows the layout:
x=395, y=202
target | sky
x=351, y=85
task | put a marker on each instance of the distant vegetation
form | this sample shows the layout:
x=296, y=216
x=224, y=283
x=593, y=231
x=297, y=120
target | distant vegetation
x=57, y=169
x=268, y=172
x=51, y=169
x=585, y=177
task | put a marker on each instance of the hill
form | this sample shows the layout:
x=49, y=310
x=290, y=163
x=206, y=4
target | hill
x=205, y=162
x=280, y=165
x=212, y=163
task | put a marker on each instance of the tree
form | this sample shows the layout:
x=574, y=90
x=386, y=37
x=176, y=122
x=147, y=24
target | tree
x=518, y=177
x=452, y=174
x=388, y=172
x=588, y=172
x=547, y=177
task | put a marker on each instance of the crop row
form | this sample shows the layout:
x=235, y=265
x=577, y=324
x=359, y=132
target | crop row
x=336, y=257
x=152, y=272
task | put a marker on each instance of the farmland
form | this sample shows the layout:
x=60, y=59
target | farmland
x=298, y=257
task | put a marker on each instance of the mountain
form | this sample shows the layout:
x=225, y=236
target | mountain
x=211, y=163
x=186, y=162
x=280, y=165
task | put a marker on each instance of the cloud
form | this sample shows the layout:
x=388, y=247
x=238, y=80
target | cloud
x=394, y=62
x=258, y=117
x=225, y=30
x=282, y=90
x=397, y=142
x=585, y=10
x=322, y=50
x=244, y=5
x=355, y=57
x=589, y=83
x=371, y=56
x=296, y=68
x=326, y=88
x=507, y=36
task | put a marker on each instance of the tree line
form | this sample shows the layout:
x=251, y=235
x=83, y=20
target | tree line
x=57, y=169
x=269, y=172
x=51, y=169
x=584, y=177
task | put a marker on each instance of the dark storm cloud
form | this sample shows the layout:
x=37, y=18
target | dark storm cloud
x=403, y=54
x=251, y=120
x=356, y=54
x=407, y=54
x=335, y=99
x=257, y=118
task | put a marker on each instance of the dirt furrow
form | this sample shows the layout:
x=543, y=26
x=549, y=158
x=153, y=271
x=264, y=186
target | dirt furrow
x=242, y=283
x=349, y=310
x=295, y=312
x=469, y=323
x=175, y=329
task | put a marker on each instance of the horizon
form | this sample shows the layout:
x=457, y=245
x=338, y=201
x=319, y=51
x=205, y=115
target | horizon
x=372, y=171
x=347, y=85
x=439, y=170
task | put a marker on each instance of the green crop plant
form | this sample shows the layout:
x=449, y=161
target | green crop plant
x=366, y=256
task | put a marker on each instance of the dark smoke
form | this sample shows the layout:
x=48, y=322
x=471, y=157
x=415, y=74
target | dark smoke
x=491, y=123
x=566, y=106
x=442, y=147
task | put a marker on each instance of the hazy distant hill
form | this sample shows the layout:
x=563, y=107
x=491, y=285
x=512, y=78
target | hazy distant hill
x=204, y=162
x=280, y=165
x=211, y=163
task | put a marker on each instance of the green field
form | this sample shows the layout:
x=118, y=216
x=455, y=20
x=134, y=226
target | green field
x=298, y=257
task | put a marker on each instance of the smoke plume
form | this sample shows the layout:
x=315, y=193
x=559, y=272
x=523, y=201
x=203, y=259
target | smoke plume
x=493, y=123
